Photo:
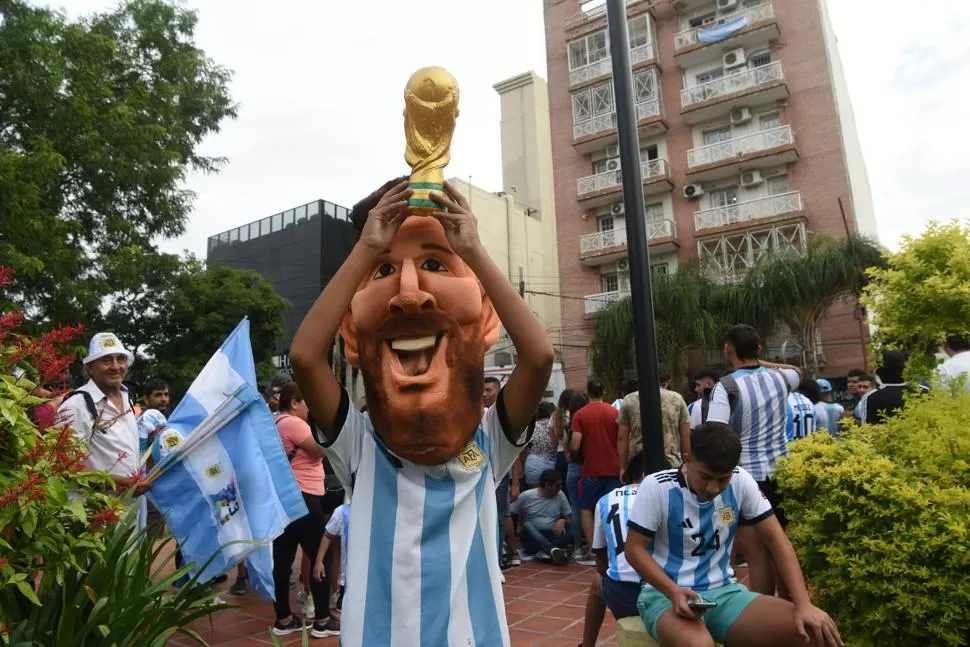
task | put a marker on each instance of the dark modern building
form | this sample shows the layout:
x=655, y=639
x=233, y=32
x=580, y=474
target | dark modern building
x=298, y=250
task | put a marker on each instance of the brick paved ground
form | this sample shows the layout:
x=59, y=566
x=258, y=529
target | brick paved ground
x=544, y=606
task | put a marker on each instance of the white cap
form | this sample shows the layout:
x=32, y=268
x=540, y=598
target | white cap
x=104, y=344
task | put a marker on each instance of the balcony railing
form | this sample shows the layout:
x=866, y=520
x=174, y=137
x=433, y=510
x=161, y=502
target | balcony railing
x=614, y=179
x=593, y=243
x=755, y=14
x=591, y=14
x=596, y=302
x=733, y=148
x=738, y=82
x=607, y=121
x=604, y=67
x=774, y=205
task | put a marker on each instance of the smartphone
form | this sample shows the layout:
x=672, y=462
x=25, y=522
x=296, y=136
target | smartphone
x=700, y=606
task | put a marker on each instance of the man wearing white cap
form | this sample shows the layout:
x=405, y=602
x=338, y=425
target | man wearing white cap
x=101, y=413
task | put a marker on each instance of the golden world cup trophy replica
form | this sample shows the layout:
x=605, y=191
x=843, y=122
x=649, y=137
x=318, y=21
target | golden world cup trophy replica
x=430, y=111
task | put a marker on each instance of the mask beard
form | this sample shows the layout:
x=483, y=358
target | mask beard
x=433, y=433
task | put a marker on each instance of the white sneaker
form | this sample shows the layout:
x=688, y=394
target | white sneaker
x=578, y=554
x=543, y=556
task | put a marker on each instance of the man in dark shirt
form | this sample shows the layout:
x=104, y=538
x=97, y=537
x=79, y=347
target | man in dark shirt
x=891, y=395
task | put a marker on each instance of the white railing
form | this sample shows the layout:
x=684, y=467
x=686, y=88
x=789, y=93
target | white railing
x=732, y=83
x=660, y=229
x=600, y=68
x=734, y=148
x=591, y=14
x=648, y=109
x=604, y=67
x=597, y=124
x=613, y=179
x=641, y=54
x=754, y=15
x=593, y=243
x=596, y=302
x=774, y=205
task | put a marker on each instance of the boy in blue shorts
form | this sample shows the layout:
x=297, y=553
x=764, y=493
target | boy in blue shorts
x=682, y=527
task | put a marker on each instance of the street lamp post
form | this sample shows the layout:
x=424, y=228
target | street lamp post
x=640, y=288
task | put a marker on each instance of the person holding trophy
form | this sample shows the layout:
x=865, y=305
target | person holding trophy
x=418, y=302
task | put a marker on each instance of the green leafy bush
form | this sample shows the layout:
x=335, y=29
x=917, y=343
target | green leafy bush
x=880, y=519
x=123, y=599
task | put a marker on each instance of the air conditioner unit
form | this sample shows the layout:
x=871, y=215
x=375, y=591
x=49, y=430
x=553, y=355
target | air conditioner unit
x=751, y=178
x=623, y=265
x=616, y=210
x=613, y=150
x=693, y=191
x=740, y=116
x=727, y=5
x=734, y=58
x=613, y=165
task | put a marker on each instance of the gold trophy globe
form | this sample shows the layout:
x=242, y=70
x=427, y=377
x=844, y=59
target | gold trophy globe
x=430, y=111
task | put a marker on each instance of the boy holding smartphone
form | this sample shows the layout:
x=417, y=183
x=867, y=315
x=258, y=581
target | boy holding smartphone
x=682, y=527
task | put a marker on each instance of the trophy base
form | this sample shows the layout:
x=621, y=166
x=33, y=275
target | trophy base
x=421, y=196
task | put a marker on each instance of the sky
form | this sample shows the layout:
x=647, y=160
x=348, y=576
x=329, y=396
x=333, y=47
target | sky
x=319, y=85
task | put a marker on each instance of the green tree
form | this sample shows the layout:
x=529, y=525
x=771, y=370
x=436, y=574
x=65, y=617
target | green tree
x=923, y=294
x=204, y=306
x=99, y=123
x=799, y=289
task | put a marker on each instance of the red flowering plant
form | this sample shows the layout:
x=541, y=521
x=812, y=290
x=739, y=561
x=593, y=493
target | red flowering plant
x=54, y=512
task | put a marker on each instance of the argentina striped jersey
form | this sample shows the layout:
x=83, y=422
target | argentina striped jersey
x=759, y=415
x=609, y=533
x=422, y=568
x=802, y=421
x=692, y=537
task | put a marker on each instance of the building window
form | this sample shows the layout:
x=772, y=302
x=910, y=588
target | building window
x=708, y=76
x=648, y=153
x=724, y=197
x=588, y=50
x=769, y=121
x=610, y=282
x=702, y=20
x=778, y=185
x=288, y=218
x=301, y=213
x=602, y=98
x=254, y=230
x=760, y=59
x=314, y=209
x=645, y=85
x=653, y=212
x=639, y=28
x=660, y=268
x=717, y=135
x=604, y=223
x=277, y=222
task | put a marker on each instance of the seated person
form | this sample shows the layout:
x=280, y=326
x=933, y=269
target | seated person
x=682, y=524
x=619, y=585
x=545, y=515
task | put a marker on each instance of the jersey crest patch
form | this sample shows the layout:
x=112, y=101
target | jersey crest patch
x=472, y=458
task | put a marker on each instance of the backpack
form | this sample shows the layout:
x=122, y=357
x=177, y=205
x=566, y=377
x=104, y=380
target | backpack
x=89, y=404
x=730, y=387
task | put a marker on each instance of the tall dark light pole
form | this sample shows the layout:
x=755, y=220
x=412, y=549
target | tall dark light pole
x=640, y=288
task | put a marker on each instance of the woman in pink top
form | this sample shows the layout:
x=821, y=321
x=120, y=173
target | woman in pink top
x=306, y=460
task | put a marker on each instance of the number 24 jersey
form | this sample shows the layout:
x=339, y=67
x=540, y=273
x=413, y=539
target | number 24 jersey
x=692, y=537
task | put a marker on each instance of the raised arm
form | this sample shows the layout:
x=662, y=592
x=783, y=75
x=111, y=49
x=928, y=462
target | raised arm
x=311, y=344
x=529, y=379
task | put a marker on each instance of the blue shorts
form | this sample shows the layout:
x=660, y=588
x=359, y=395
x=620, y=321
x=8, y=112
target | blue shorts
x=732, y=600
x=621, y=597
x=593, y=488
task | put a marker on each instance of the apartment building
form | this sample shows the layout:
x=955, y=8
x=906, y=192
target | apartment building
x=747, y=146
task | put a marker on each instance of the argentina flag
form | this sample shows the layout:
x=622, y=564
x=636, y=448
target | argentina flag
x=220, y=473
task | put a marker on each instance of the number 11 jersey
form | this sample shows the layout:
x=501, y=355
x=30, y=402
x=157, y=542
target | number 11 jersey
x=692, y=537
x=609, y=533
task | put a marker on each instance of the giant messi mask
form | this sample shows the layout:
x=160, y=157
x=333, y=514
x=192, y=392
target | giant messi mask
x=420, y=322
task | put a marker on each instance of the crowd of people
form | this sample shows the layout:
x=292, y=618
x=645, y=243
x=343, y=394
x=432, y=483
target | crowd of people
x=418, y=488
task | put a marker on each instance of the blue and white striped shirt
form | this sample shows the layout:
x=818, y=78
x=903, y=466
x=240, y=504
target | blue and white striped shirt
x=802, y=421
x=692, y=537
x=759, y=415
x=609, y=534
x=423, y=567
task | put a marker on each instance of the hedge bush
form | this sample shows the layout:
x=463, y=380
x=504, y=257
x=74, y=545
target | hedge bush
x=880, y=519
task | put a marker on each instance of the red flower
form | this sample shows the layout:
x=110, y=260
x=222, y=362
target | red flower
x=6, y=275
x=10, y=321
x=103, y=518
